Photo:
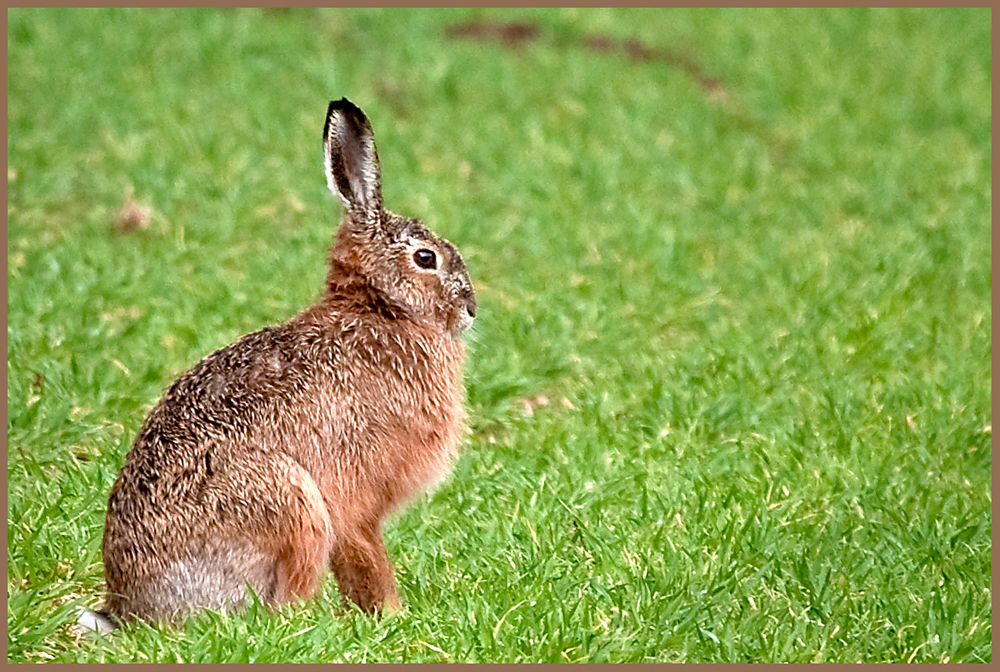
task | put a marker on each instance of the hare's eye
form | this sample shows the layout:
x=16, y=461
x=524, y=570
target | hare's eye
x=425, y=258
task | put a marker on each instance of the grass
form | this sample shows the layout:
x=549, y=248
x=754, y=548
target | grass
x=729, y=386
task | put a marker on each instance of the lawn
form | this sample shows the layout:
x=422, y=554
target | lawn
x=729, y=386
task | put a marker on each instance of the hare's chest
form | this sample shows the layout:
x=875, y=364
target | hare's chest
x=374, y=413
x=373, y=452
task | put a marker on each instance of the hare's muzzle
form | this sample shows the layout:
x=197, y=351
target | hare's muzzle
x=467, y=312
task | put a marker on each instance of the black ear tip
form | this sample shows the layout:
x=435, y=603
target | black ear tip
x=344, y=105
x=347, y=110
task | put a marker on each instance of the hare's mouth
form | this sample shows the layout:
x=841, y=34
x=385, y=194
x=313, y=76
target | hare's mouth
x=466, y=316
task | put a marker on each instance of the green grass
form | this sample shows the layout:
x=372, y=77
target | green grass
x=760, y=311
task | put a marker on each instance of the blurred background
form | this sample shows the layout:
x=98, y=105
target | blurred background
x=729, y=385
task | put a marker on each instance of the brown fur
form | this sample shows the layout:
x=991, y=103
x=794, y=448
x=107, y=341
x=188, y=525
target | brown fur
x=282, y=453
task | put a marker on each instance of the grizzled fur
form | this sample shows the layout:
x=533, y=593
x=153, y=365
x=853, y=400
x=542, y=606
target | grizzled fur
x=279, y=456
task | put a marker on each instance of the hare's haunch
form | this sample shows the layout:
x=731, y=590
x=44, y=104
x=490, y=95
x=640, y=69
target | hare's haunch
x=281, y=454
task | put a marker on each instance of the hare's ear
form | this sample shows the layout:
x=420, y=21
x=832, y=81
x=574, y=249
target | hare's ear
x=352, y=170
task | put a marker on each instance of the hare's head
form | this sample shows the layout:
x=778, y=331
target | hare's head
x=408, y=266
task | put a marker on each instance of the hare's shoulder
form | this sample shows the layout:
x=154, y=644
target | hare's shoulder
x=264, y=362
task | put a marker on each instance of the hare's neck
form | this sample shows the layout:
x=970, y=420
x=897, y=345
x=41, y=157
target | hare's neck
x=344, y=262
x=343, y=277
x=353, y=295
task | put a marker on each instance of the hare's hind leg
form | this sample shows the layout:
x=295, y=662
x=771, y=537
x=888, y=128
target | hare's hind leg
x=307, y=538
x=271, y=530
x=362, y=568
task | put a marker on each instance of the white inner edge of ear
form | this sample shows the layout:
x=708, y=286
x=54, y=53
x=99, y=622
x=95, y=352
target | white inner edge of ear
x=330, y=182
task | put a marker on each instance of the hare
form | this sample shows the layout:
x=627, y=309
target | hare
x=281, y=454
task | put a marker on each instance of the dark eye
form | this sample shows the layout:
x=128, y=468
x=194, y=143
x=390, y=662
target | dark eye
x=425, y=258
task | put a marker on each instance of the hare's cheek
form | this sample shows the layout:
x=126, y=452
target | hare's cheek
x=430, y=292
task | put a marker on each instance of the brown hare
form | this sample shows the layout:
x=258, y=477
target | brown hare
x=281, y=454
